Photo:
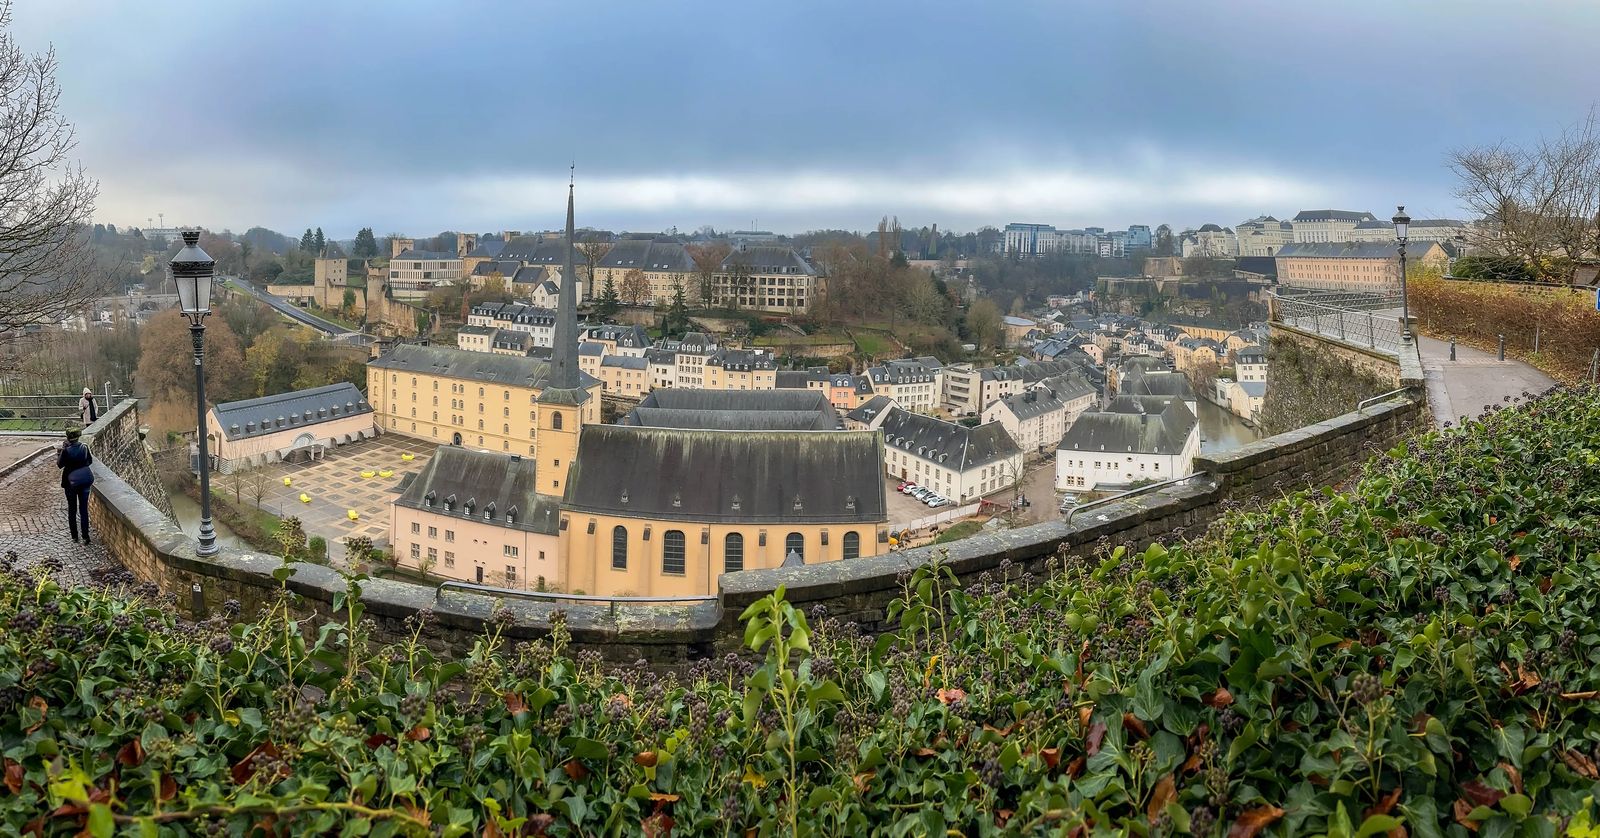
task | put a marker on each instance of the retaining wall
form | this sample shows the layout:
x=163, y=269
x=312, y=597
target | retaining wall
x=116, y=442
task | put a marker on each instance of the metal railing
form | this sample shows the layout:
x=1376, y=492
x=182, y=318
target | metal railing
x=50, y=412
x=1381, y=397
x=1376, y=328
x=547, y=596
x=1142, y=490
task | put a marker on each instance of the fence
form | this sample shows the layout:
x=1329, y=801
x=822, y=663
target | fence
x=1368, y=320
x=942, y=517
x=49, y=412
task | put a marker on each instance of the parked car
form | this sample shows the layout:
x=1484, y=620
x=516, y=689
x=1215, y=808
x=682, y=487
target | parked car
x=908, y=488
x=902, y=487
x=935, y=502
x=920, y=493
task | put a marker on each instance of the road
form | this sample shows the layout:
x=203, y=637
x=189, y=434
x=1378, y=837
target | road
x=294, y=312
x=1460, y=390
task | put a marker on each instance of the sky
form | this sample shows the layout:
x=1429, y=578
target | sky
x=417, y=117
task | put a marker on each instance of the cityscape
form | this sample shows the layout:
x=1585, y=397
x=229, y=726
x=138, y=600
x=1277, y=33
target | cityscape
x=888, y=478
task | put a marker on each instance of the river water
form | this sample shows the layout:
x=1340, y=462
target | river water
x=188, y=513
x=1223, y=431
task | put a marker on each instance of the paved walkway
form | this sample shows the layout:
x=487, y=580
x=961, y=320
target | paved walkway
x=33, y=525
x=1459, y=390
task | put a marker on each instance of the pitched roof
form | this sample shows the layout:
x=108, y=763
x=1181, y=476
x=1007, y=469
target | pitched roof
x=1156, y=384
x=1350, y=250
x=488, y=247
x=506, y=269
x=947, y=444
x=627, y=362
x=647, y=255
x=1166, y=432
x=869, y=409
x=1380, y=224
x=903, y=371
x=476, y=366
x=730, y=420
x=728, y=476
x=742, y=359
x=297, y=409
x=1032, y=403
x=483, y=487
x=1332, y=215
x=626, y=337
x=1251, y=355
x=743, y=401
x=1257, y=389
x=762, y=260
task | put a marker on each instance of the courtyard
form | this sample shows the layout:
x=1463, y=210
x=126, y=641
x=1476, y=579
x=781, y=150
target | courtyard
x=322, y=493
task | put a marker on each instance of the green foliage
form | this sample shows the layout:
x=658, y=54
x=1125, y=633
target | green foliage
x=1416, y=654
x=366, y=246
x=1306, y=386
x=607, y=304
x=317, y=550
x=959, y=531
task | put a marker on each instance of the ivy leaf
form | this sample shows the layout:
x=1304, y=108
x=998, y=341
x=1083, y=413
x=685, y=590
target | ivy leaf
x=1252, y=821
x=101, y=824
x=1165, y=792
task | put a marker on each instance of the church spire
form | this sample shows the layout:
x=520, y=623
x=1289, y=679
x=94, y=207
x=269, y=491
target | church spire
x=564, y=357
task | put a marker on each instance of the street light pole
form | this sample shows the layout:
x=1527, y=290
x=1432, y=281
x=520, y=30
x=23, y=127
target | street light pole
x=1401, y=223
x=193, y=272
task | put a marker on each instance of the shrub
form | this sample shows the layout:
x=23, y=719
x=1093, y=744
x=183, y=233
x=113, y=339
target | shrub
x=317, y=550
x=1418, y=654
x=1476, y=313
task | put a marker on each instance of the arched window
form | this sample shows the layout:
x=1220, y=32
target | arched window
x=672, y=552
x=619, y=548
x=852, y=545
x=733, y=553
x=555, y=420
x=795, y=543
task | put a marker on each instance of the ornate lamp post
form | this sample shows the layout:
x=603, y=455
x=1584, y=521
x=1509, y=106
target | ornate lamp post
x=193, y=270
x=1401, y=223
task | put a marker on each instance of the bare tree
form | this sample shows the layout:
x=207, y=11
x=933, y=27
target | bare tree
x=592, y=251
x=1539, y=204
x=47, y=268
x=635, y=289
x=258, y=486
x=708, y=259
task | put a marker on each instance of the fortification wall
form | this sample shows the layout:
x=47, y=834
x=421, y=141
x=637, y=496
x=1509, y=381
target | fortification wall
x=117, y=443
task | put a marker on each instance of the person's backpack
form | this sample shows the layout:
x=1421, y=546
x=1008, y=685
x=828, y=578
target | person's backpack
x=82, y=476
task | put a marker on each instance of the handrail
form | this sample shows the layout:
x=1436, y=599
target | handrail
x=1131, y=493
x=613, y=601
x=1379, y=398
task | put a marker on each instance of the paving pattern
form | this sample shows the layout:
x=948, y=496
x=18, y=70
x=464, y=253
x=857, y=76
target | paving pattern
x=33, y=524
x=334, y=486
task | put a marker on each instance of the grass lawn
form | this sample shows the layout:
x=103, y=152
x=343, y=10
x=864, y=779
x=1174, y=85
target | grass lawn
x=791, y=339
x=873, y=345
x=331, y=317
x=959, y=531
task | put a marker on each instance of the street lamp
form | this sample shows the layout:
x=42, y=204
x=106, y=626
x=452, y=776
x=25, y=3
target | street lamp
x=193, y=270
x=1401, y=223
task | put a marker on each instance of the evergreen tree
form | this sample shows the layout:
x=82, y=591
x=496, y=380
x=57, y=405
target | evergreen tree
x=366, y=244
x=320, y=242
x=678, y=313
x=608, y=303
x=308, y=241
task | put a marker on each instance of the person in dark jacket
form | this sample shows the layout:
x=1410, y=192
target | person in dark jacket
x=76, y=478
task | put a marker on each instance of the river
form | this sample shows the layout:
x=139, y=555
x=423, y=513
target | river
x=1220, y=430
x=188, y=513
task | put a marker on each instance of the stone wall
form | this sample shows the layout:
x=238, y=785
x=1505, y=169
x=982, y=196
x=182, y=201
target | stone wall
x=116, y=442
x=151, y=546
x=1311, y=378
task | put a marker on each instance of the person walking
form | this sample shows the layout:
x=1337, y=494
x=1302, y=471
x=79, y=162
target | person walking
x=87, y=410
x=76, y=478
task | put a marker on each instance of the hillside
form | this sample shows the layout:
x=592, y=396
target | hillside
x=1416, y=656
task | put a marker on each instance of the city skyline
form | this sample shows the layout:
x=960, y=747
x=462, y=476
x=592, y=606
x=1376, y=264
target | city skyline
x=424, y=118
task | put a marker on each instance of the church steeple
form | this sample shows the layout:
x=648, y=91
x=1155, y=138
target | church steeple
x=564, y=357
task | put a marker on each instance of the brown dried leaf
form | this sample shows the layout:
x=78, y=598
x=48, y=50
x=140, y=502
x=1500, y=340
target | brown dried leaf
x=378, y=740
x=1384, y=805
x=1480, y=794
x=245, y=768
x=538, y=825
x=1003, y=815
x=1251, y=822
x=169, y=788
x=1461, y=809
x=1165, y=792
x=947, y=696
x=661, y=798
x=1002, y=732
x=15, y=774
x=1219, y=699
x=862, y=780
x=419, y=734
x=1050, y=756
x=645, y=759
x=1192, y=764
x=131, y=755
x=1580, y=696
x=658, y=825
x=1097, y=735
x=514, y=703
x=1075, y=768
x=924, y=752
x=1084, y=714
x=1580, y=764
x=1514, y=775
x=575, y=769
x=1133, y=725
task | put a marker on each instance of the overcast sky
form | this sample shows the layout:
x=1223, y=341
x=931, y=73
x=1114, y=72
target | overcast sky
x=417, y=117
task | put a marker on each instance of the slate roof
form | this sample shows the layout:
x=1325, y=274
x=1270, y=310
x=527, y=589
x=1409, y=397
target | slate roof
x=730, y=420
x=1257, y=389
x=538, y=250
x=512, y=339
x=1068, y=386
x=1263, y=265
x=590, y=347
x=1252, y=355
x=488, y=247
x=1142, y=363
x=531, y=275
x=947, y=444
x=298, y=409
x=1139, y=404
x=627, y=362
x=506, y=269
x=1010, y=320
x=1131, y=433
x=903, y=371
x=794, y=379
x=742, y=401
x=1333, y=215
x=648, y=255
x=869, y=409
x=764, y=260
x=709, y=476
x=1033, y=403
x=475, y=366
x=742, y=359
x=625, y=337
x=1380, y=224
x=1171, y=384
x=1351, y=250
x=499, y=487
x=470, y=329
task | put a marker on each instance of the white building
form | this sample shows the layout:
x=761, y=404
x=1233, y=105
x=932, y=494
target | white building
x=1210, y=241
x=1263, y=236
x=1127, y=445
x=1442, y=230
x=958, y=462
x=1037, y=419
x=1250, y=364
x=1328, y=225
x=414, y=273
x=914, y=383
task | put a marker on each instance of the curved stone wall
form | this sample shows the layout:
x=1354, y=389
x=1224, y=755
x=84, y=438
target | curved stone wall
x=152, y=546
